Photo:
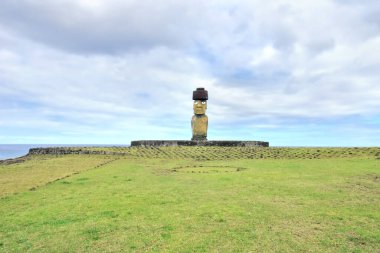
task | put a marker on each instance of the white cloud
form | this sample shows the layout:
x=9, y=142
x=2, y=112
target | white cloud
x=267, y=55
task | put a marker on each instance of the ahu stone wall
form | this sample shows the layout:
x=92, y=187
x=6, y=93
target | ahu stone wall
x=67, y=151
x=168, y=143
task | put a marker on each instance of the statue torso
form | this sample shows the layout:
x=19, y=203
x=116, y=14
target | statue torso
x=199, y=124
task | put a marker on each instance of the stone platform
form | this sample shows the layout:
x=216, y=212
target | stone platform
x=167, y=143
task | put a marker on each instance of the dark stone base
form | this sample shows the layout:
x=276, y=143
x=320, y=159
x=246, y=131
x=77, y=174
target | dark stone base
x=164, y=143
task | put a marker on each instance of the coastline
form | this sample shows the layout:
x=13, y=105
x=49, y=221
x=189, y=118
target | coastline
x=15, y=151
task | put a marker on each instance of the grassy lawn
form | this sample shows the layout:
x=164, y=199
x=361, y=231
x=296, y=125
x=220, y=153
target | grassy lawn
x=41, y=170
x=168, y=201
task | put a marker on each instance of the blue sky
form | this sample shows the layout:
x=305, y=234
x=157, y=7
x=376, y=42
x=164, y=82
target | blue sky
x=294, y=73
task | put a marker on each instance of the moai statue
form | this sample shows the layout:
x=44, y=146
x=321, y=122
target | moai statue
x=199, y=121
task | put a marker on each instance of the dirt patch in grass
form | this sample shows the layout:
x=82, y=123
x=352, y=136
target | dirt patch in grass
x=207, y=169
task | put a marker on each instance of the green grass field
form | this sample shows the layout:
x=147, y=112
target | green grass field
x=193, y=199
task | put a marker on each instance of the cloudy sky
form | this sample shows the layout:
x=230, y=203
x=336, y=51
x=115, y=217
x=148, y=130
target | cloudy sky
x=294, y=73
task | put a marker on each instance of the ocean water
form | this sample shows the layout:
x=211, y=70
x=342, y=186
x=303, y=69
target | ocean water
x=15, y=150
x=8, y=151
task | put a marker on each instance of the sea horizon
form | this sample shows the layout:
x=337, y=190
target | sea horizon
x=10, y=151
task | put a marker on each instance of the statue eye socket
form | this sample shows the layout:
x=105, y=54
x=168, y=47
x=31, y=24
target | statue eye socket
x=203, y=102
x=195, y=102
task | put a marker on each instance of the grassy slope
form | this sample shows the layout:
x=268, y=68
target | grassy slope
x=158, y=204
x=41, y=170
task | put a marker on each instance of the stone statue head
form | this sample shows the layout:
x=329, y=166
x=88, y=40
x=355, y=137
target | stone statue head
x=200, y=97
x=200, y=107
